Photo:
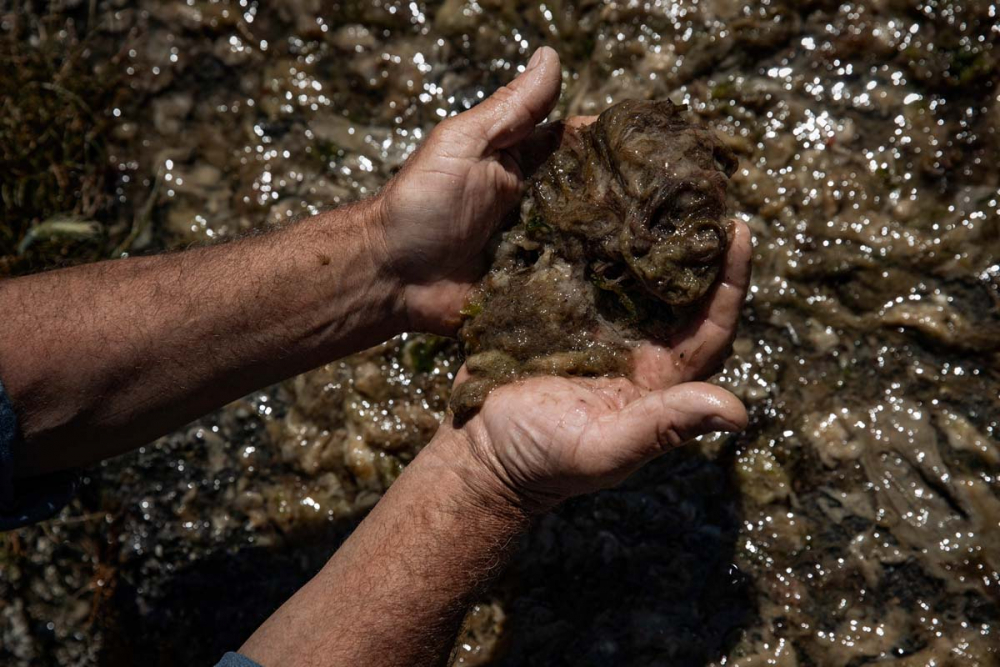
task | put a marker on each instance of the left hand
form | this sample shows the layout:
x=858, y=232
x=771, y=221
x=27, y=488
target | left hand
x=436, y=216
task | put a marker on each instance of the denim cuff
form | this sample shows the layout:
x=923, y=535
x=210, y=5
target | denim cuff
x=236, y=660
x=26, y=501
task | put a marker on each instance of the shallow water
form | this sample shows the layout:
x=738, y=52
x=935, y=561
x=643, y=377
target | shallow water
x=858, y=518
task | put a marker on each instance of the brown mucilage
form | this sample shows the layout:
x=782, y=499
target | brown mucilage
x=621, y=236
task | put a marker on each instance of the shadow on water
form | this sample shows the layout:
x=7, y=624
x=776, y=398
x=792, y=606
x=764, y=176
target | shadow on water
x=211, y=607
x=638, y=575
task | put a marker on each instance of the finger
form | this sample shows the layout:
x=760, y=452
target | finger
x=664, y=420
x=656, y=367
x=511, y=113
x=703, y=346
x=437, y=309
x=577, y=122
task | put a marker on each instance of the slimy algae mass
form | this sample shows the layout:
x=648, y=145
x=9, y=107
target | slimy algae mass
x=620, y=238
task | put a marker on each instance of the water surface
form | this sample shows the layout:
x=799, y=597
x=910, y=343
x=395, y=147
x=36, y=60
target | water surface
x=856, y=521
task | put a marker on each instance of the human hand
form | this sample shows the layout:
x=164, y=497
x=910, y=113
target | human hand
x=437, y=215
x=545, y=439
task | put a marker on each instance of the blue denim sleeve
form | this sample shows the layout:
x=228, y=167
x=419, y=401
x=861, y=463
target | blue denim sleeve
x=236, y=660
x=24, y=502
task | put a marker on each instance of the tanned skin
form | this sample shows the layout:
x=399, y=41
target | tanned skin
x=101, y=359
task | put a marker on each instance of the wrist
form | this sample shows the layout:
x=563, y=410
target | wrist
x=476, y=486
x=388, y=264
x=373, y=216
x=469, y=457
x=426, y=300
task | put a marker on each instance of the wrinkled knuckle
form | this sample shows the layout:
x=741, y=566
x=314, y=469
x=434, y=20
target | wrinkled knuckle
x=504, y=95
x=440, y=133
x=668, y=438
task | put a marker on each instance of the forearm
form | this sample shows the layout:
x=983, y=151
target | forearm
x=104, y=357
x=396, y=591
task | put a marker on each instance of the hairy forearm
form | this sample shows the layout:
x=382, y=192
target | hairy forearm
x=104, y=357
x=396, y=591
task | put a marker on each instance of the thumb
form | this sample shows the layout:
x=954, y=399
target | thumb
x=664, y=420
x=511, y=113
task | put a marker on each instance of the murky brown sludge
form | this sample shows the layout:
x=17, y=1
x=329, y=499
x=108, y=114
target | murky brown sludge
x=856, y=520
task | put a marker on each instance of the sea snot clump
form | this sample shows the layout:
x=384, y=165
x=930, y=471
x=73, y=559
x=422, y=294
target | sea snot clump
x=622, y=234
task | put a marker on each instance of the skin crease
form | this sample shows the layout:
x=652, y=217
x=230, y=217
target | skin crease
x=101, y=359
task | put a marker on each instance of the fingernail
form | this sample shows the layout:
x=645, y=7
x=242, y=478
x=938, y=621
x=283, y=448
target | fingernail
x=720, y=424
x=535, y=60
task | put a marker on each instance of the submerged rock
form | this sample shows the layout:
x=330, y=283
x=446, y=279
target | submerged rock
x=622, y=235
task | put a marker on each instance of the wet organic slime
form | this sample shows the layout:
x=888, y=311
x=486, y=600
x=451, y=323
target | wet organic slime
x=620, y=238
